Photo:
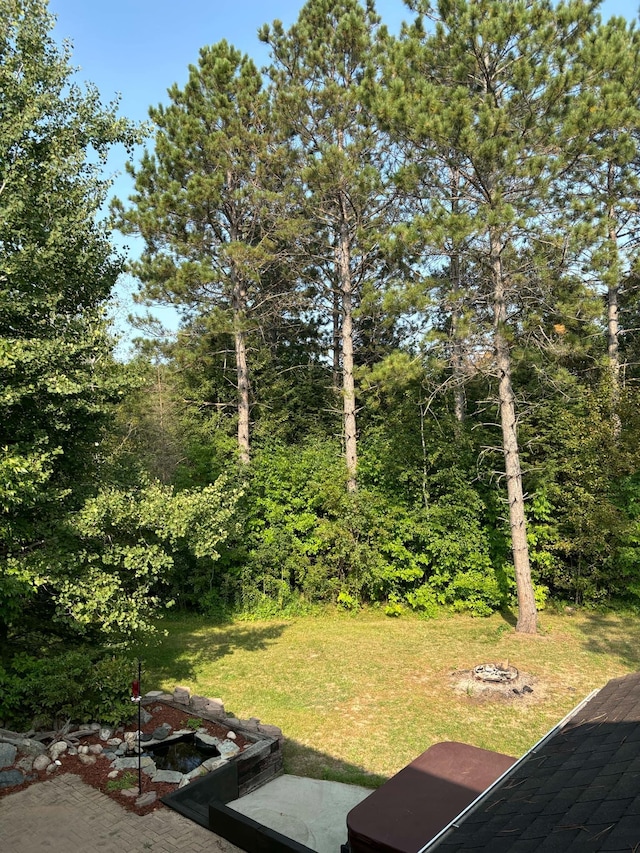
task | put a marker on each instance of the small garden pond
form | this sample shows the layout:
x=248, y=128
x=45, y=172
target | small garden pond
x=183, y=754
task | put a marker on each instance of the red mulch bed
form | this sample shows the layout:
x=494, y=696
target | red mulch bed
x=96, y=774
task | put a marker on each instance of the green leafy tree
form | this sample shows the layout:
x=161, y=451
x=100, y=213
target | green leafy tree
x=57, y=268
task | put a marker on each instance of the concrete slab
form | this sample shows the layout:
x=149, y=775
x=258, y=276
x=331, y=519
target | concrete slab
x=309, y=811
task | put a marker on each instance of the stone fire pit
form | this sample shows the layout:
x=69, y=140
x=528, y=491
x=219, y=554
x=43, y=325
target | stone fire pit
x=495, y=673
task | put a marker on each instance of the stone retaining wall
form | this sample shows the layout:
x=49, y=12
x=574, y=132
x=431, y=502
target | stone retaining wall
x=258, y=764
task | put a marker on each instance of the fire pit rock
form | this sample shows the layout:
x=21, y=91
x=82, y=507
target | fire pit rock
x=496, y=682
x=495, y=673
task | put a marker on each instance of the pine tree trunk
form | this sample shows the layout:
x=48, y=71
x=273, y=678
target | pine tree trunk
x=612, y=337
x=612, y=294
x=459, y=399
x=348, y=383
x=337, y=332
x=457, y=352
x=527, y=616
x=613, y=327
x=242, y=372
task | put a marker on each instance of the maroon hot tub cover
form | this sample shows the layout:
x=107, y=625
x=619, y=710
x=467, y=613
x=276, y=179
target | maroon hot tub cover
x=414, y=805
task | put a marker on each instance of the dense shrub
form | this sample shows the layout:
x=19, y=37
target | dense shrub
x=75, y=685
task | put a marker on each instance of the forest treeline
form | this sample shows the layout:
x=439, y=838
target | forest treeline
x=406, y=369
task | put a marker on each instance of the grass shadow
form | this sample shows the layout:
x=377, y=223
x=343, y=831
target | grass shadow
x=509, y=617
x=178, y=656
x=616, y=635
x=302, y=760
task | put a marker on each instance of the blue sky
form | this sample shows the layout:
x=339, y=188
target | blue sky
x=138, y=48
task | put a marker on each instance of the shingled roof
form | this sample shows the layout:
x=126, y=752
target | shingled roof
x=579, y=791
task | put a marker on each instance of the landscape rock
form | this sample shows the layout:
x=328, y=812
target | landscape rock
x=145, y=716
x=26, y=745
x=153, y=694
x=25, y=764
x=198, y=703
x=87, y=759
x=130, y=741
x=232, y=735
x=271, y=731
x=146, y=799
x=8, y=754
x=201, y=770
x=182, y=695
x=215, y=708
x=212, y=763
x=113, y=774
x=83, y=750
x=10, y=777
x=51, y=768
x=95, y=749
x=172, y=776
x=228, y=749
x=41, y=762
x=162, y=732
x=114, y=741
x=56, y=749
x=130, y=792
x=106, y=733
x=207, y=740
x=148, y=764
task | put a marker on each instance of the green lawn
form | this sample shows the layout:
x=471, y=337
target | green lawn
x=360, y=696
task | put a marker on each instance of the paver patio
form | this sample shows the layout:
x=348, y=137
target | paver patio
x=64, y=815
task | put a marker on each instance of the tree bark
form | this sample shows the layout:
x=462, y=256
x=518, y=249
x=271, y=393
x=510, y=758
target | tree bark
x=613, y=290
x=613, y=295
x=457, y=355
x=527, y=615
x=457, y=361
x=613, y=324
x=337, y=332
x=242, y=372
x=348, y=383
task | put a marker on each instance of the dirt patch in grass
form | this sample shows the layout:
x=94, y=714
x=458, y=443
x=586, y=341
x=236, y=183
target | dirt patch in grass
x=526, y=688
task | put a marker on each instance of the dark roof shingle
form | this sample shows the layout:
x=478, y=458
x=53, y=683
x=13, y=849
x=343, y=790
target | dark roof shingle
x=579, y=792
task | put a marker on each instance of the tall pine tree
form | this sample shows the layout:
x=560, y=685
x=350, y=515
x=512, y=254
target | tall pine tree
x=483, y=93
x=209, y=204
x=319, y=68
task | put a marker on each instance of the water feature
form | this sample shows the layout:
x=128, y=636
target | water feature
x=183, y=754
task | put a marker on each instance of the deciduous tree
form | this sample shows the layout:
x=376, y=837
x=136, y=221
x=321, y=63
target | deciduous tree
x=57, y=268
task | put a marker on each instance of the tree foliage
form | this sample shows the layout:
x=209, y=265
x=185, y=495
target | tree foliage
x=416, y=254
x=78, y=557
